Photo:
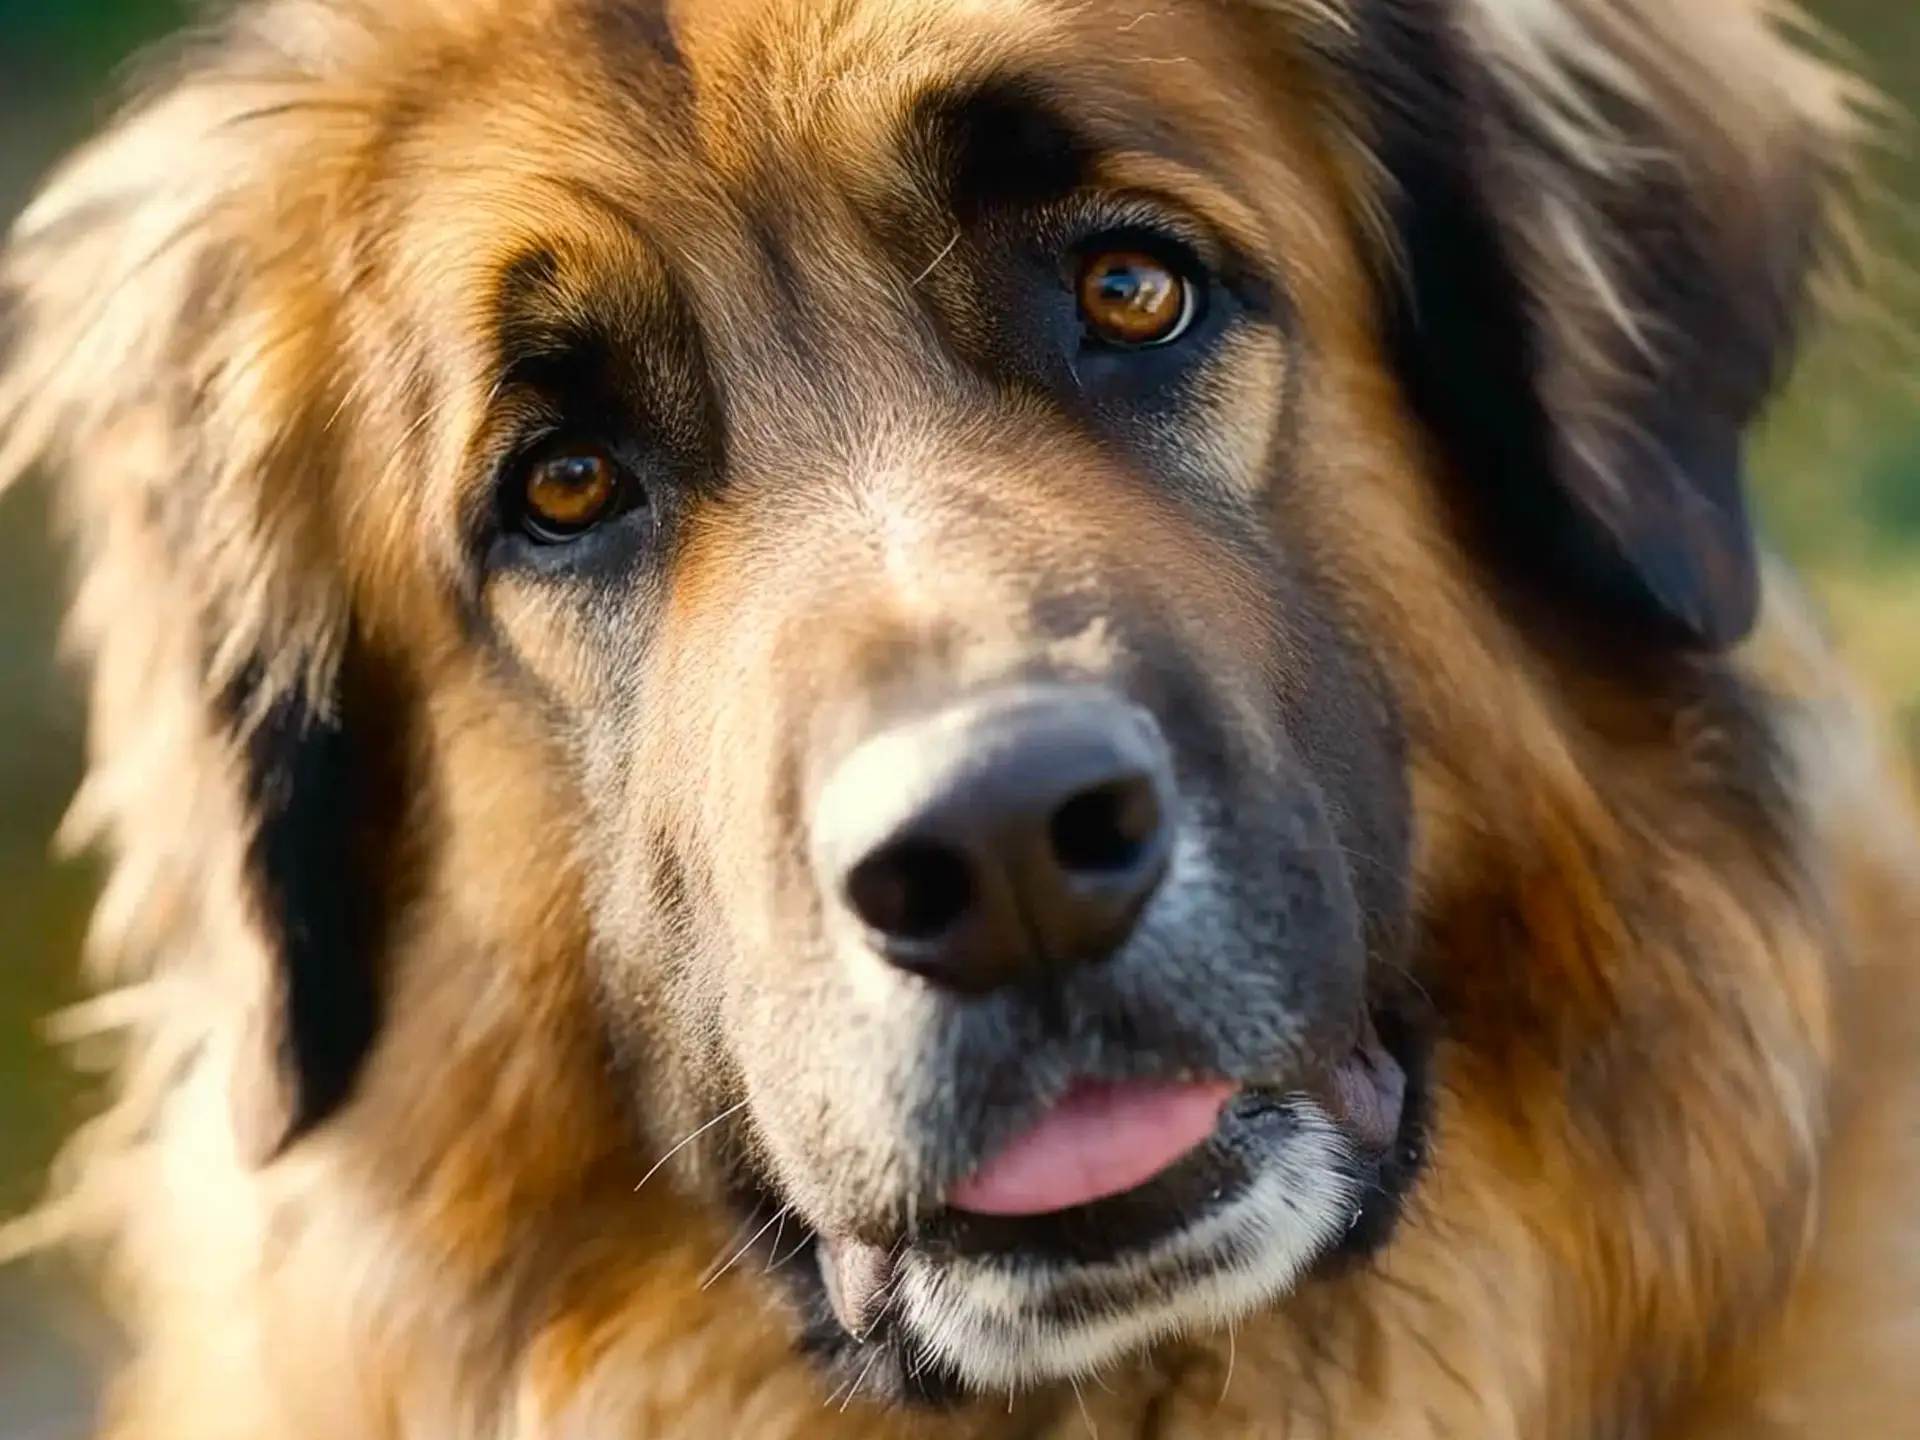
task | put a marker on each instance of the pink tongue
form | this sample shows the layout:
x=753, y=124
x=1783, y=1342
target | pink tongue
x=1099, y=1140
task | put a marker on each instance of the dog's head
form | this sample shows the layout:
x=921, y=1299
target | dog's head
x=909, y=605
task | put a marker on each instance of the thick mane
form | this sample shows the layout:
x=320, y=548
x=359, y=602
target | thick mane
x=187, y=354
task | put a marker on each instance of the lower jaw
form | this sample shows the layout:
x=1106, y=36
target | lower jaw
x=902, y=1365
x=1068, y=1247
x=1093, y=1309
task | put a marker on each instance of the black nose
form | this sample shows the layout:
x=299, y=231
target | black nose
x=1007, y=835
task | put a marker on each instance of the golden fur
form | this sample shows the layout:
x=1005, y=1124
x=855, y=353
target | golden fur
x=1669, y=935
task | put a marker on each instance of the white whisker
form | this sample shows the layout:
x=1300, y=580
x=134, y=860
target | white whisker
x=734, y=1259
x=681, y=1145
x=798, y=1246
x=773, y=1248
x=1233, y=1348
x=934, y=264
x=859, y=1380
x=1080, y=1399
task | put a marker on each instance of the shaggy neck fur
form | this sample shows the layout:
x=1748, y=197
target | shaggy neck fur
x=361, y=1288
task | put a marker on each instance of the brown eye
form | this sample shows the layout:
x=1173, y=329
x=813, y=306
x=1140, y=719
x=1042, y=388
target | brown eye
x=568, y=492
x=1130, y=298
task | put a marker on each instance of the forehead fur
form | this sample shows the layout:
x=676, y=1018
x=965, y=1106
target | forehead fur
x=252, y=191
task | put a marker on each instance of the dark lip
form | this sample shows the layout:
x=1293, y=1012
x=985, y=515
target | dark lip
x=1215, y=1171
x=1389, y=1172
x=1255, y=1120
x=1029, y=1090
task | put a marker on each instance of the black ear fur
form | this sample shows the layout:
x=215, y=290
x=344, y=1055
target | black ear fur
x=1595, y=462
x=305, y=792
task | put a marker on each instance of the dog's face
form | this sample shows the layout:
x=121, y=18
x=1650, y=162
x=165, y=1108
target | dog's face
x=897, y=502
x=948, y=529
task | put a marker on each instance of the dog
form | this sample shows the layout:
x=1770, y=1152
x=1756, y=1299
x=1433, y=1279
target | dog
x=970, y=718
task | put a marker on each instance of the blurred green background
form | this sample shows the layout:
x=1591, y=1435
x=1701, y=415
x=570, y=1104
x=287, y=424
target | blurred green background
x=1839, y=474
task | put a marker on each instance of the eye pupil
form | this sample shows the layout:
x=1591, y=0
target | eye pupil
x=1130, y=298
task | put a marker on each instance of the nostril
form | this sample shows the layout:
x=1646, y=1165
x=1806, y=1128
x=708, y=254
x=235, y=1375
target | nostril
x=998, y=840
x=1107, y=829
x=911, y=890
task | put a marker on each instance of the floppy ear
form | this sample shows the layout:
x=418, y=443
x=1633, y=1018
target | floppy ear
x=168, y=362
x=1604, y=214
x=313, y=1015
